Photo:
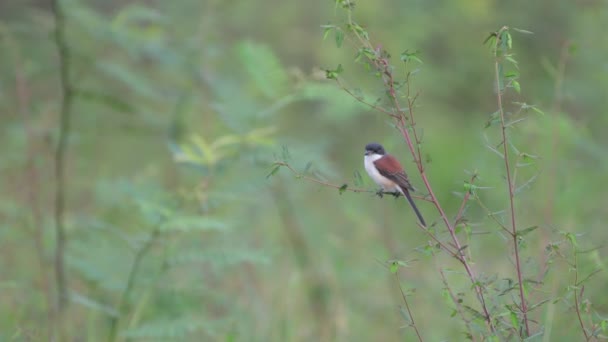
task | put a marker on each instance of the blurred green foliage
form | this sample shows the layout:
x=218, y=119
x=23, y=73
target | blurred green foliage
x=175, y=232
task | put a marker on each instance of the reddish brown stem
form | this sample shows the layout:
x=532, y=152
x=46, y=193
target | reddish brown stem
x=510, y=185
x=415, y=151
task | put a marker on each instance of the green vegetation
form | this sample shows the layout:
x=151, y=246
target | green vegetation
x=193, y=170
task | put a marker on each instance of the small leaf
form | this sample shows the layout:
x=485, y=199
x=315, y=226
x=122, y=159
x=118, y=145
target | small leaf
x=274, y=170
x=406, y=56
x=491, y=39
x=572, y=239
x=326, y=30
x=285, y=153
x=307, y=167
x=339, y=38
x=522, y=31
x=333, y=74
x=514, y=320
x=525, y=231
x=394, y=267
x=538, y=110
x=516, y=86
x=342, y=188
x=358, y=179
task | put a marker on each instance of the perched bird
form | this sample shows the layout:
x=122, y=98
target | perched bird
x=387, y=172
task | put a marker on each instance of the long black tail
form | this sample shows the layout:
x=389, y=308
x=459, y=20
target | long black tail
x=411, y=200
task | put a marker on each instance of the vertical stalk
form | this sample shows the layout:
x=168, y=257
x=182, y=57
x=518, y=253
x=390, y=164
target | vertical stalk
x=510, y=185
x=60, y=152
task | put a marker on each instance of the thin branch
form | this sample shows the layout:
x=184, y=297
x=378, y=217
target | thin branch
x=510, y=184
x=64, y=131
x=492, y=215
x=360, y=99
x=465, y=199
x=123, y=302
x=343, y=187
x=575, y=291
x=457, y=303
x=407, y=307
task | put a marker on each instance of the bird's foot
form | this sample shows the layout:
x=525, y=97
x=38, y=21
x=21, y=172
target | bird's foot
x=380, y=193
x=396, y=194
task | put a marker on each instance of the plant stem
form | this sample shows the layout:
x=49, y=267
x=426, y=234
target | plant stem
x=575, y=292
x=407, y=307
x=64, y=131
x=505, y=145
x=124, y=298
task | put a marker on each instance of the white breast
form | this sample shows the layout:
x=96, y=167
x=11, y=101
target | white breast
x=385, y=183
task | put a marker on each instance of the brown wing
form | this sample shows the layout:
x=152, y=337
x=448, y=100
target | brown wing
x=389, y=167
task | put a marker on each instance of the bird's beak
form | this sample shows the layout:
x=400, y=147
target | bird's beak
x=367, y=153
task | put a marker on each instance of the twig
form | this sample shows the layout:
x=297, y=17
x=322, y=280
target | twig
x=126, y=294
x=343, y=187
x=407, y=307
x=465, y=199
x=575, y=290
x=64, y=131
x=457, y=303
x=505, y=145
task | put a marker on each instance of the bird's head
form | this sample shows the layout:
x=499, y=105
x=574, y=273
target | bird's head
x=374, y=148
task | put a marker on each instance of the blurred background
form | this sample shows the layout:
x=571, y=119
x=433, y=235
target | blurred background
x=175, y=232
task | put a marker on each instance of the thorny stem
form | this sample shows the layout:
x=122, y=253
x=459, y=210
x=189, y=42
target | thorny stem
x=505, y=145
x=382, y=65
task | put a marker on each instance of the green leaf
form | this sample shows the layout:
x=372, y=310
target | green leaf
x=516, y=86
x=490, y=39
x=343, y=188
x=525, y=231
x=394, y=267
x=522, y=31
x=407, y=56
x=273, y=171
x=326, y=30
x=514, y=320
x=572, y=239
x=339, y=38
x=333, y=74
x=356, y=28
x=285, y=155
x=358, y=179
x=307, y=167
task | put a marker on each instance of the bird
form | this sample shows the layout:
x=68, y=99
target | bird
x=387, y=172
